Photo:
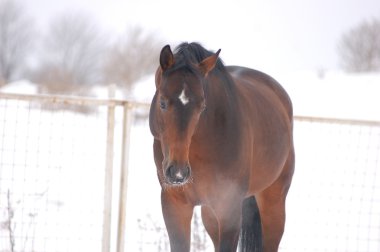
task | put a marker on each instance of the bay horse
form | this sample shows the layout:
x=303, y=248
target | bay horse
x=222, y=140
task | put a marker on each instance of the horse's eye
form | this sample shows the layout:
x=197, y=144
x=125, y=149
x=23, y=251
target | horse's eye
x=163, y=104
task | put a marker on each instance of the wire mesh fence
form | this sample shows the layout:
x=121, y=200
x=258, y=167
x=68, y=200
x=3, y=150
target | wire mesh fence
x=334, y=201
x=57, y=186
x=52, y=172
x=46, y=153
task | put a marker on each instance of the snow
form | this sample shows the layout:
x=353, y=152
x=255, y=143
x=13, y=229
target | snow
x=334, y=95
x=145, y=88
x=20, y=87
x=53, y=161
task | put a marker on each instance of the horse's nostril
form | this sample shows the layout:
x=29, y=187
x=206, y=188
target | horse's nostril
x=177, y=175
x=170, y=172
x=187, y=171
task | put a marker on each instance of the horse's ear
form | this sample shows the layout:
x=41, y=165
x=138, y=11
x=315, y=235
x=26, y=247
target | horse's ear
x=209, y=63
x=166, y=58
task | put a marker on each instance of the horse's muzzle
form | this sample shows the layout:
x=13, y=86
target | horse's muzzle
x=177, y=174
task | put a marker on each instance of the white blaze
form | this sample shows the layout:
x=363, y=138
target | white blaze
x=183, y=98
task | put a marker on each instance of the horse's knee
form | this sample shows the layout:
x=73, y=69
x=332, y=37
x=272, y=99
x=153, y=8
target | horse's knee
x=211, y=224
x=229, y=227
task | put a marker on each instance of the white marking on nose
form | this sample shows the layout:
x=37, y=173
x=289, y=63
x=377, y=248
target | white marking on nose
x=179, y=175
x=183, y=98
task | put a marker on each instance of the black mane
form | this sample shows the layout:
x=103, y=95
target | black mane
x=188, y=54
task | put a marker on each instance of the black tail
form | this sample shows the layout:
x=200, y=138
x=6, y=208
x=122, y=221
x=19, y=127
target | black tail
x=251, y=234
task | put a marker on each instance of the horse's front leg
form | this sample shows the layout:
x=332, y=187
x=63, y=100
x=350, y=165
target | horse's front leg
x=229, y=226
x=177, y=214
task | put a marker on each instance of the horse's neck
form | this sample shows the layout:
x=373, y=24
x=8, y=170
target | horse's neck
x=220, y=124
x=222, y=105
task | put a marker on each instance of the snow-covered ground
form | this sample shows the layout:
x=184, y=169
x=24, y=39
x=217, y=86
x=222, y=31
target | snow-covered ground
x=52, y=165
x=334, y=94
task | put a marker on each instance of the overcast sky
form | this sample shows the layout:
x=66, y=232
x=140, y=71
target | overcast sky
x=270, y=35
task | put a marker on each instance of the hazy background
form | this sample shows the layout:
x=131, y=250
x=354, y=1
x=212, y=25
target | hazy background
x=269, y=35
x=69, y=47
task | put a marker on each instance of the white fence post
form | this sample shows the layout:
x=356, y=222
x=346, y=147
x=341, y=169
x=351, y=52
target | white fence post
x=106, y=242
x=127, y=123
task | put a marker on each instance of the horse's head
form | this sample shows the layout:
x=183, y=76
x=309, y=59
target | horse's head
x=178, y=105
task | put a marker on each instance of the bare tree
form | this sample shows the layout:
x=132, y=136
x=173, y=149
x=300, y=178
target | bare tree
x=16, y=31
x=72, y=55
x=133, y=56
x=359, y=48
